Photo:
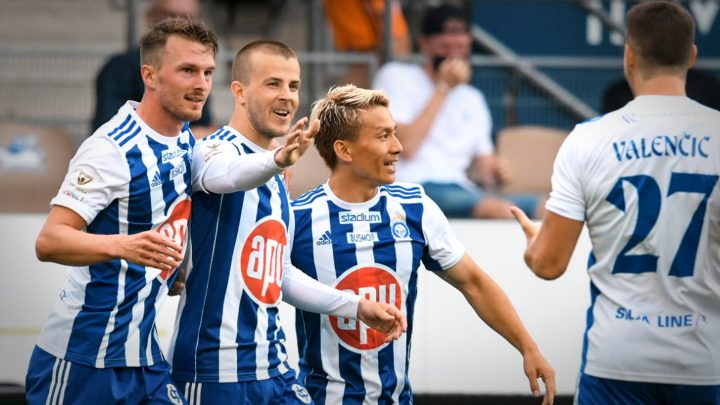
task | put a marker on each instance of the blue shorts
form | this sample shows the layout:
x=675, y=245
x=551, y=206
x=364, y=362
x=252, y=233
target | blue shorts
x=51, y=380
x=284, y=389
x=603, y=391
x=457, y=201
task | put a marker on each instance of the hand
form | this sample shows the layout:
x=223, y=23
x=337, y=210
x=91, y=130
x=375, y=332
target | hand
x=150, y=249
x=178, y=285
x=530, y=228
x=535, y=366
x=382, y=317
x=297, y=142
x=453, y=71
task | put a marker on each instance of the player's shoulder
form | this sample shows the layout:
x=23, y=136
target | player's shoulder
x=406, y=192
x=305, y=200
x=598, y=127
x=120, y=132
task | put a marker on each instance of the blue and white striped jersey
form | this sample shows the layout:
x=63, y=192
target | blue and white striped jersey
x=125, y=179
x=646, y=179
x=372, y=249
x=228, y=329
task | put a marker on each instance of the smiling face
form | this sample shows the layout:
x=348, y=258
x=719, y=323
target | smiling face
x=375, y=148
x=270, y=97
x=184, y=78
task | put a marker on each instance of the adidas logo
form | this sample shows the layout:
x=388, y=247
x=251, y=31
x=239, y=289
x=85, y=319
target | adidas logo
x=325, y=239
x=156, y=181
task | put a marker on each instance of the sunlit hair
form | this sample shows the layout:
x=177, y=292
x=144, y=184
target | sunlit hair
x=661, y=33
x=338, y=113
x=242, y=68
x=152, y=43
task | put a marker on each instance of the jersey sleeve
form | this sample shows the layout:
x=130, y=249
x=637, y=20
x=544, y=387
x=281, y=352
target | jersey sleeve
x=442, y=249
x=306, y=293
x=219, y=167
x=98, y=174
x=566, y=197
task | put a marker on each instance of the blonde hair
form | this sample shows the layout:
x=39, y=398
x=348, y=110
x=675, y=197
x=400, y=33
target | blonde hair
x=338, y=113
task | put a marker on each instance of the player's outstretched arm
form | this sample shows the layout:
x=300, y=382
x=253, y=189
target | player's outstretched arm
x=304, y=292
x=383, y=317
x=297, y=142
x=217, y=168
x=62, y=240
x=495, y=309
x=550, y=246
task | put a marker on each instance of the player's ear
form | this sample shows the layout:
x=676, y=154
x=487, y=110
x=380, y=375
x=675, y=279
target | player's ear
x=238, y=91
x=693, y=56
x=149, y=76
x=342, y=151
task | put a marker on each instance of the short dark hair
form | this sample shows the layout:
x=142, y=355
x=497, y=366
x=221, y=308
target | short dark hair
x=436, y=19
x=242, y=67
x=153, y=42
x=338, y=113
x=661, y=33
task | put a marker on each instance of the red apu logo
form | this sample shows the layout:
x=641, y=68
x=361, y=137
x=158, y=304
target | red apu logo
x=261, y=261
x=175, y=228
x=374, y=283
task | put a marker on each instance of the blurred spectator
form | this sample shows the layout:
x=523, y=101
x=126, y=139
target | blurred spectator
x=700, y=86
x=445, y=126
x=119, y=79
x=357, y=26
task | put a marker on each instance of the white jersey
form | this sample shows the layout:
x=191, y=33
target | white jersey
x=372, y=249
x=125, y=179
x=645, y=179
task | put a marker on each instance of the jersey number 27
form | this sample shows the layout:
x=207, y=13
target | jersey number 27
x=649, y=201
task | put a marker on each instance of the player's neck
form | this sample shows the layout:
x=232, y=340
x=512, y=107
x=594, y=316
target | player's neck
x=246, y=129
x=158, y=119
x=350, y=189
x=660, y=86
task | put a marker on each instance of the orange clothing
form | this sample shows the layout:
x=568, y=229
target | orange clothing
x=357, y=25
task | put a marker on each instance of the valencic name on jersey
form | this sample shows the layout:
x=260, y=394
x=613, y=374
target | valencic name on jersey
x=686, y=145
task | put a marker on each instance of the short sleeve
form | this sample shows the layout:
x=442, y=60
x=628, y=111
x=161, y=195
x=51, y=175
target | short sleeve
x=567, y=198
x=98, y=174
x=443, y=249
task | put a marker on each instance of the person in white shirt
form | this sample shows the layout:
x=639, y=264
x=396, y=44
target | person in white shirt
x=644, y=179
x=445, y=125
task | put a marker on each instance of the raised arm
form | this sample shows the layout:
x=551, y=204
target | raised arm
x=494, y=308
x=222, y=172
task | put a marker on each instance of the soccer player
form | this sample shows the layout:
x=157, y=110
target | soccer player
x=229, y=343
x=644, y=179
x=119, y=220
x=362, y=232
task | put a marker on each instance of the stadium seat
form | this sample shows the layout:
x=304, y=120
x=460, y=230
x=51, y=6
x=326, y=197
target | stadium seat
x=33, y=163
x=530, y=152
